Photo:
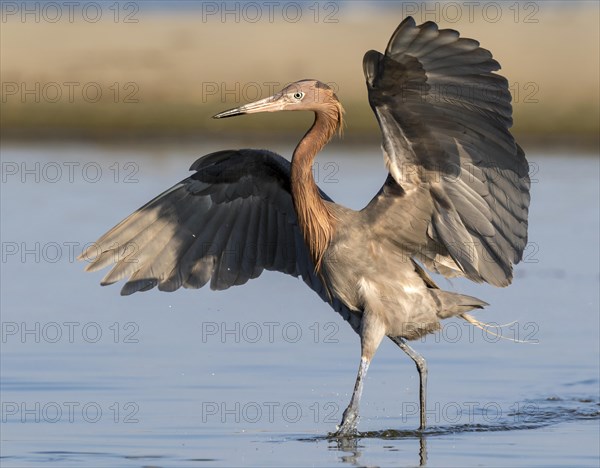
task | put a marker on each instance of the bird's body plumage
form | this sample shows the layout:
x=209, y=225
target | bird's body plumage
x=455, y=201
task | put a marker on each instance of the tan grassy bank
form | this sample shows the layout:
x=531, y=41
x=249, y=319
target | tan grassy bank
x=164, y=75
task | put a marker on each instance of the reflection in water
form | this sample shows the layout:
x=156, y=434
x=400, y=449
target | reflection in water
x=351, y=445
x=422, y=450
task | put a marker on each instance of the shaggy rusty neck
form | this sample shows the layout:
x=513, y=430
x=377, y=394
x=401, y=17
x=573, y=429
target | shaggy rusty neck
x=314, y=218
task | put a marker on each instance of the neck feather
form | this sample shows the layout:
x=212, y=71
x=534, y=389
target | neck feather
x=314, y=218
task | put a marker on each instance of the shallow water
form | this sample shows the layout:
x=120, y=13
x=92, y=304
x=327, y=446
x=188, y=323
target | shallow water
x=259, y=375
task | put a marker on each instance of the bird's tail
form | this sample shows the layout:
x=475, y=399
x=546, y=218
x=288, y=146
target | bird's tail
x=451, y=304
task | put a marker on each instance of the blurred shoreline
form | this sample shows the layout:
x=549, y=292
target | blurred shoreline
x=282, y=143
x=163, y=76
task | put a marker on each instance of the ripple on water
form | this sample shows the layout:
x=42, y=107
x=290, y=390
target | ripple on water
x=532, y=414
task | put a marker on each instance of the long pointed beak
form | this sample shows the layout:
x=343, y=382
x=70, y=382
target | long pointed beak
x=270, y=104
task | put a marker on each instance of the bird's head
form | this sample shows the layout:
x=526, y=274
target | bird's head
x=303, y=95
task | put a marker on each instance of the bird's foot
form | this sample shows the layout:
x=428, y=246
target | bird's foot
x=349, y=422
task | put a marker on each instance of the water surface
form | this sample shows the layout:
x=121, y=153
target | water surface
x=259, y=375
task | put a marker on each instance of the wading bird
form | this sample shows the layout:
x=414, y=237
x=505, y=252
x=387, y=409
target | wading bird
x=455, y=202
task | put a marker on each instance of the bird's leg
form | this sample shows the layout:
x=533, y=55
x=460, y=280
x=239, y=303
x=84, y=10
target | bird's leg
x=422, y=368
x=372, y=332
x=350, y=417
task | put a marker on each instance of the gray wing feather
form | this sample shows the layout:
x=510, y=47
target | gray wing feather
x=229, y=221
x=445, y=119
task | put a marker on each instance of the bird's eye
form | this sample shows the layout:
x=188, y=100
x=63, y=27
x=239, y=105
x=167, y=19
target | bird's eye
x=298, y=95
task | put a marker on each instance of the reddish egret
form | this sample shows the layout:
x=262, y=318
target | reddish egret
x=455, y=202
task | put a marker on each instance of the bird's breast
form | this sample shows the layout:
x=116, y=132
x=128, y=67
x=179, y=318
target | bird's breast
x=370, y=278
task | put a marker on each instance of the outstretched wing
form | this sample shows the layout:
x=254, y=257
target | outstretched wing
x=445, y=118
x=229, y=221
